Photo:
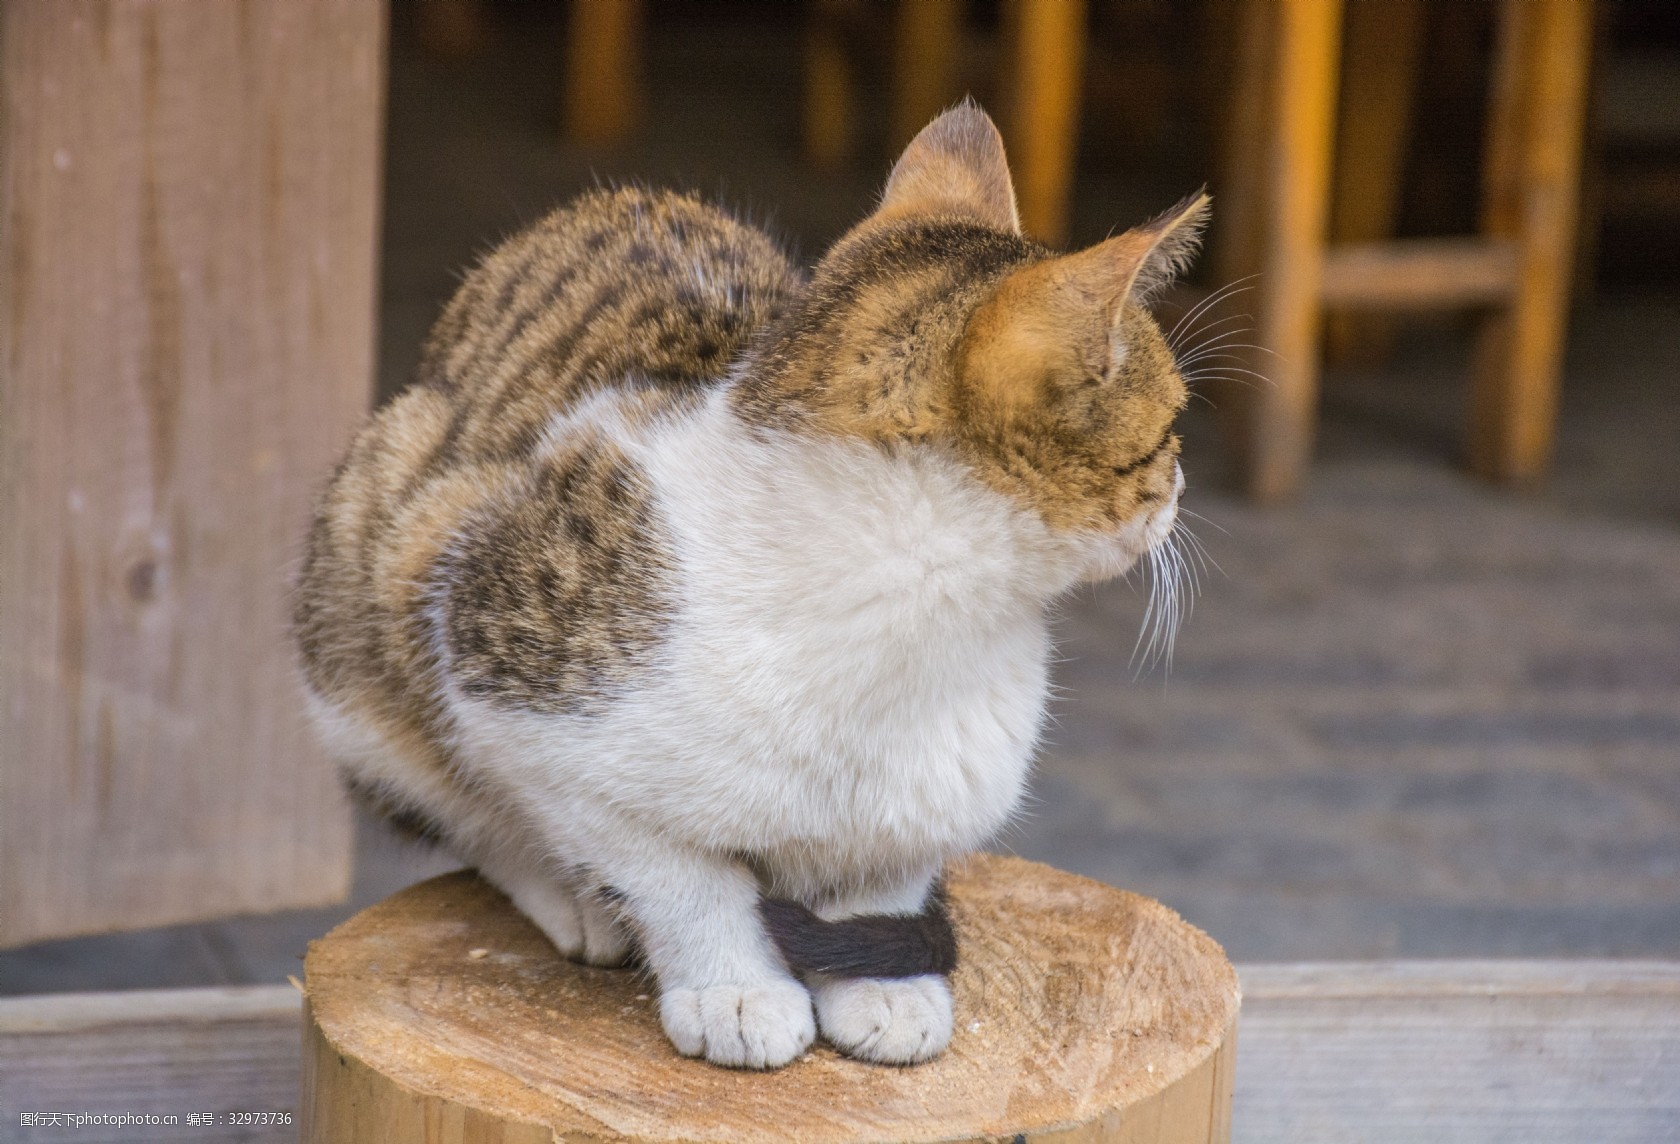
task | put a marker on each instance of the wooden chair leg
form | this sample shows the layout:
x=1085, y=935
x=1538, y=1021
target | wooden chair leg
x=925, y=82
x=1239, y=195
x=603, y=70
x=1046, y=45
x=1532, y=175
x=828, y=112
x=1302, y=81
x=1241, y=51
x=1381, y=43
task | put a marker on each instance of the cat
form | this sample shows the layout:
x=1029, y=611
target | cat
x=703, y=605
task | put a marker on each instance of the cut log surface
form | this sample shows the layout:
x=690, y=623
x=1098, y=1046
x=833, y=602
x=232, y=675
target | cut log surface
x=1083, y=1013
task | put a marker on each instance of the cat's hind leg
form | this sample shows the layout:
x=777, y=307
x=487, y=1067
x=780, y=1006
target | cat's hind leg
x=580, y=922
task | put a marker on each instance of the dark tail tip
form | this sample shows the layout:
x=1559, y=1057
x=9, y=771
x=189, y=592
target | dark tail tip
x=870, y=945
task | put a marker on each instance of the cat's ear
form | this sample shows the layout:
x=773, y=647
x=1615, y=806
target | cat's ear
x=955, y=165
x=1146, y=259
x=1062, y=316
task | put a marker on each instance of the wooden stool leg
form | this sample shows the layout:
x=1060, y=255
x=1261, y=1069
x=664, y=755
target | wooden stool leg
x=1302, y=80
x=828, y=112
x=1243, y=54
x=1240, y=193
x=1046, y=42
x=924, y=78
x=603, y=70
x=1382, y=40
x=1532, y=173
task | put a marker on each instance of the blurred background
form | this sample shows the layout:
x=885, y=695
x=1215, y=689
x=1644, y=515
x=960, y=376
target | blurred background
x=1416, y=711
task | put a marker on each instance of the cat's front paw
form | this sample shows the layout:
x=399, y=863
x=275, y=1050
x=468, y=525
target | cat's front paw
x=742, y=1026
x=892, y=1020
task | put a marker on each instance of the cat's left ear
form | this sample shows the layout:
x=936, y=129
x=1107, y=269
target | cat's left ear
x=1062, y=317
x=956, y=165
x=1146, y=259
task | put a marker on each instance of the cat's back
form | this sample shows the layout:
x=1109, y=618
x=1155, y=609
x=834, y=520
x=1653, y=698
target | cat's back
x=648, y=296
x=647, y=286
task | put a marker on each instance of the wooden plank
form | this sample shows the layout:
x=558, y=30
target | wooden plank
x=1448, y=1052
x=1420, y=273
x=1532, y=185
x=1302, y=92
x=1046, y=45
x=190, y=194
x=164, y=1053
x=603, y=91
x=1491, y=1051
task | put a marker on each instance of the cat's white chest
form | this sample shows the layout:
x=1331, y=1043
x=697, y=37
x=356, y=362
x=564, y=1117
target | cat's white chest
x=859, y=658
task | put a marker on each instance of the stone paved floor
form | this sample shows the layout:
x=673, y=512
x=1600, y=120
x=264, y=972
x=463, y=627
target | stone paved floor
x=1412, y=715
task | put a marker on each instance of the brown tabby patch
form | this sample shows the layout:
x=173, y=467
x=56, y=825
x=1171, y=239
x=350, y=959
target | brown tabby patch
x=557, y=591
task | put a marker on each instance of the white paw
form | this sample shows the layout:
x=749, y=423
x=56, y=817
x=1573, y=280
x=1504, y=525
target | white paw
x=892, y=1020
x=743, y=1026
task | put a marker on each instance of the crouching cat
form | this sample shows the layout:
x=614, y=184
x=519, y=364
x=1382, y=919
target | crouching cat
x=703, y=605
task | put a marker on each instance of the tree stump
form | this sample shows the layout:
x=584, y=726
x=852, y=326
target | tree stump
x=1083, y=1013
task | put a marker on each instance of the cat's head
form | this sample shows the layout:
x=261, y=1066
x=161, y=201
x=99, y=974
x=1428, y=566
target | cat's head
x=935, y=323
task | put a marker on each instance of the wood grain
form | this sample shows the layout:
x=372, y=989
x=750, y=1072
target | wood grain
x=1083, y=1013
x=190, y=196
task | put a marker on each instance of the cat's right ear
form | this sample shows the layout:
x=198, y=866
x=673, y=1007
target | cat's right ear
x=956, y=165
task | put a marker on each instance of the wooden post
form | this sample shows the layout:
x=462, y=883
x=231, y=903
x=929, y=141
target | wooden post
x=1046, y=45
x=190, y=195
x=926, y=44
x=1532, y=182
x=1083, y=1013
x=603, y=70
x=1301, y=83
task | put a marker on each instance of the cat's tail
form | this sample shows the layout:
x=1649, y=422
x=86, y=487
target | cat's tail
x=869, y=945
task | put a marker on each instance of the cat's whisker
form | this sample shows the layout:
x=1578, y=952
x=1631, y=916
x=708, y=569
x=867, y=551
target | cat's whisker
x=1227, y=373
x=1230, y=289
x=1217, y=345
x=1212, y=332
x=1194, y=515
x=1220, y=353
x=1202, y=555
x=1149, y=612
